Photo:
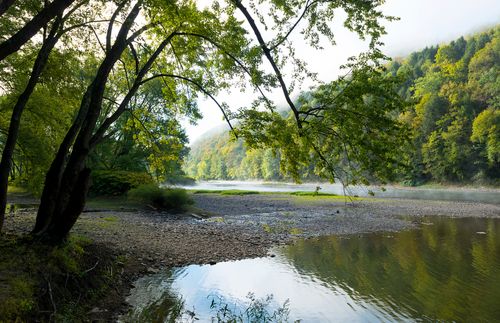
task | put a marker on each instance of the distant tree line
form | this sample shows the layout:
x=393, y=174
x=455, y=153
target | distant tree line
x=453, y=121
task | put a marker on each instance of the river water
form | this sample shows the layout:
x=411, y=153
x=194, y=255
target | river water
x=449, y=194
x=448, y=270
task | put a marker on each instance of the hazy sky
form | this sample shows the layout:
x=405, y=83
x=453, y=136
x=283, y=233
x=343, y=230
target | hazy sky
x=423, y=23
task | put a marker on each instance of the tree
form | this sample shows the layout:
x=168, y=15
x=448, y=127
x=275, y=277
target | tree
x=55, y=31
x=191, y=51
x=12, y=44
x=486, y=131
x=67, y=180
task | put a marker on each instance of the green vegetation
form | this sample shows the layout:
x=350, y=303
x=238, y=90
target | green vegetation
x=226, y=192
x=258, y=310
x=161, y=198
x=80, y=96
x=107, y=183
x=305, y=193
x=43, y=283
x=453, y=122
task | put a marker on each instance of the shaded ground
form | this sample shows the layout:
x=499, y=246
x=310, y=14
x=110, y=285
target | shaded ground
x=239, y=227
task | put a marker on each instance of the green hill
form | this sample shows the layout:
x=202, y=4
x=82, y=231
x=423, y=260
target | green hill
x=454, y=118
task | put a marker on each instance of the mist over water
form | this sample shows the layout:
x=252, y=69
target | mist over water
x=448, y=194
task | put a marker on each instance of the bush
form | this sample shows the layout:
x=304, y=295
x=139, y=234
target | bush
x=161, y=198
x=180, y=180
x=114, y=182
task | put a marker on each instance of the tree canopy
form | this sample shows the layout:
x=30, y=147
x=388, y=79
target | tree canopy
x=451, y=121
x=131, y=69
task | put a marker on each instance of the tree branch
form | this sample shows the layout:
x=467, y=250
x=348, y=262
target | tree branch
x=111, y=22
x=267, y=53
x=202, y=89
x=234, y=58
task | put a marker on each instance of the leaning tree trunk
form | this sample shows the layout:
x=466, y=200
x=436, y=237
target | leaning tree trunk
x=15, y=120
x=17, y=40
x=67, y=181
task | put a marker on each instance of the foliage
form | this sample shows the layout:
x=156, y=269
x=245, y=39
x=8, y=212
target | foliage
x=258, y=310
x=117, y=182
x=454, y=114
x=452, y=124
x=161, y=198
x=43, y=282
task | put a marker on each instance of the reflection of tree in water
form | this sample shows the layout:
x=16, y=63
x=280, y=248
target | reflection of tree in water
x=444, y=271
x=258, y=310
x=170, y=307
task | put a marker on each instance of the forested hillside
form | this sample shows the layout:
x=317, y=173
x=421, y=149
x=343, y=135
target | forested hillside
x=453, y=120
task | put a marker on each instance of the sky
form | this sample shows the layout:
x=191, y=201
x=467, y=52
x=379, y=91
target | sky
x=422, y=23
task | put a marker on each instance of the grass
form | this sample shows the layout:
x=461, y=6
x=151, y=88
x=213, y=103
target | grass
x=306, y=193
x=16, y=190
x=216, y=219
x=176, y=199
x=43, y=283
x=225, y=192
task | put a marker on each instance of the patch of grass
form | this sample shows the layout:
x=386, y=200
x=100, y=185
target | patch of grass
x=307, y=193
x=107, y=222
x=295, y=231
x=225, y=192
x=216, y=219
x=111, y=219
x=41, y=282
x=16, y=190
x=267, y=228
x=161, y=198
x=238, y=192
x=205, y=191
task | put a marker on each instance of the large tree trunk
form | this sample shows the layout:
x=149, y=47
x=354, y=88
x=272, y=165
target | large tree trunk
x=15, y=121
x=57, y=231
x=17, y=40
x=67, y=180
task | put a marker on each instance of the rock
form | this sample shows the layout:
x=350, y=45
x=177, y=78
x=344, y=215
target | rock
x=152, y=270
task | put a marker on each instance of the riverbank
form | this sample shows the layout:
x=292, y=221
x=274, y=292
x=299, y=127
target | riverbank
x=231, y=227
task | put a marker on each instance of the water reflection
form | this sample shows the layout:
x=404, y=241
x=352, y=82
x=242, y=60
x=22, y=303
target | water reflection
x=444, y=271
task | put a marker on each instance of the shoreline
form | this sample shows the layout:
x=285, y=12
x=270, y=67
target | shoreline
x=239, y=227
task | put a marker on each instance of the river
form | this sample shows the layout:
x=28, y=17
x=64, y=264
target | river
x=448, y=194
x=447, y=270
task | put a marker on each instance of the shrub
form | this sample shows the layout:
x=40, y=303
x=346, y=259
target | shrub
x=180, y=180
x=161, y=198
x=114, y=182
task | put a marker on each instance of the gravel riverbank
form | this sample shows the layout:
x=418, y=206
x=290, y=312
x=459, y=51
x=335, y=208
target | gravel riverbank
x=241, y=227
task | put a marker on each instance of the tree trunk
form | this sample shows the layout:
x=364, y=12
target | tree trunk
x=67, y=180
x=17, y=40
x=15, y=121
x=5, y=5
x=58, y=230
